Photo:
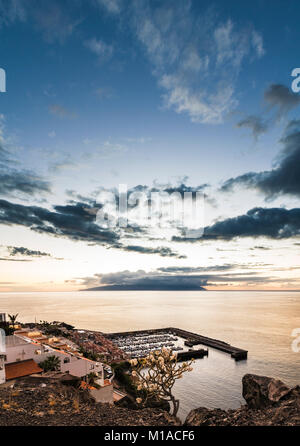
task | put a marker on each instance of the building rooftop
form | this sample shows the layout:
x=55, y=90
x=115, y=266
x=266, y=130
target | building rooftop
x=14, y=341
x=21, y=369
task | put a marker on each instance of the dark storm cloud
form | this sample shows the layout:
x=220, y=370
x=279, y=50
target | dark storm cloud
x=15, y=251
x=255, y=124
x=162, y=251
x=274, y=223
x=73, y=222
x=281, y=98
x=28, y=183
x=284, y=178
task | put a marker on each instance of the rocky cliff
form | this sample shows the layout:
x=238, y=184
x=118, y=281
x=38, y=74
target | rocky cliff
x=269, y=402
x=48, y=403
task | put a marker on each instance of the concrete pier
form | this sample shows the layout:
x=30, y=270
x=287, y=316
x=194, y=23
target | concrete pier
x=193, y=338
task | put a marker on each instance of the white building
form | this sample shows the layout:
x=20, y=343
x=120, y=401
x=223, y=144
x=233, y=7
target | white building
x=2, y=356
x=21, y=348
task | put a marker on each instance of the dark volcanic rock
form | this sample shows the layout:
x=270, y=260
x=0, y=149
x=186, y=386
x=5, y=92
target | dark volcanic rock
x=269, y=403
x=261, y=391
x=50, y=403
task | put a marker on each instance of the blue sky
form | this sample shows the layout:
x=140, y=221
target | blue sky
x=109, y=92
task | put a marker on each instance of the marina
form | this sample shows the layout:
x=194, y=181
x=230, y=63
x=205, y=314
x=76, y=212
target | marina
x=137, y=344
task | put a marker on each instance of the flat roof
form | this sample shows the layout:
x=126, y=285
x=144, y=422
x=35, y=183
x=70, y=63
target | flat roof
x=14, y=341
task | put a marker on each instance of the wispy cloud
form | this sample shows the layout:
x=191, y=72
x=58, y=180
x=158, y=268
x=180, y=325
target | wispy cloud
x=103, y=51
x=104, y=92
x=56, y=20
x=255, y=123
x=61, y=111
x=198, y=73
x=112, y=6
x=279, y=100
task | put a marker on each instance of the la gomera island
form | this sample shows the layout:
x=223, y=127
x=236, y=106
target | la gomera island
x=56, y=374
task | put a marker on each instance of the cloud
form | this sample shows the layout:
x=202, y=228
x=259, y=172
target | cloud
x=7, y=259
x=198, y=72
x=162, y=251
x=11, y=11
x=197, y=269
x=112, y=6
x=171, y=279
x=54, y=19
x=196, y=59
x=75, y=222
x=15, y=251
x=61, y=112
x=103, y=50
x=258, y=43
x=12, y=181
x=282, y=179
x=255, y=123
x=104, y=92
x=281, y=98
x=273, y=223
x=278, y=97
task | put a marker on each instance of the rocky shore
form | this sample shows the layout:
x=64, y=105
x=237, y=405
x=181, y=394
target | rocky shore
x=269, y=403
x=48, y=403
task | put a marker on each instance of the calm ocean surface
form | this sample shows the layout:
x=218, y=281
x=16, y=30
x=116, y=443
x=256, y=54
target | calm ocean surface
x=260, y=322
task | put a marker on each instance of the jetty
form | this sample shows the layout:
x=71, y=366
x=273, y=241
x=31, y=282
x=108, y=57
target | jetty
x=191, y=339
x=196, y=339
x=192, y=354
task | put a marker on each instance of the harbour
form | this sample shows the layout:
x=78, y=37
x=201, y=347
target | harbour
x=139, y=343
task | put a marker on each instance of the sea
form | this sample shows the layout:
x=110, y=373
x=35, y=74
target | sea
x=261, y=322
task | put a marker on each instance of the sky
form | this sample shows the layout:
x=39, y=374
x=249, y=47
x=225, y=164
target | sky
x=190, y=98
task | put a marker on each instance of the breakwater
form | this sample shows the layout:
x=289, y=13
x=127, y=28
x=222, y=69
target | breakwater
x=193, y=354
x=191, y=339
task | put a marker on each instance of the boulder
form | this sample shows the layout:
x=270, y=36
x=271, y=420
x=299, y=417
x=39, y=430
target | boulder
x=269, y=403
x=261, y=391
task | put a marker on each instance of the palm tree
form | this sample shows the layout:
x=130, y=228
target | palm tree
x=13, y=320
x=51, y=364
